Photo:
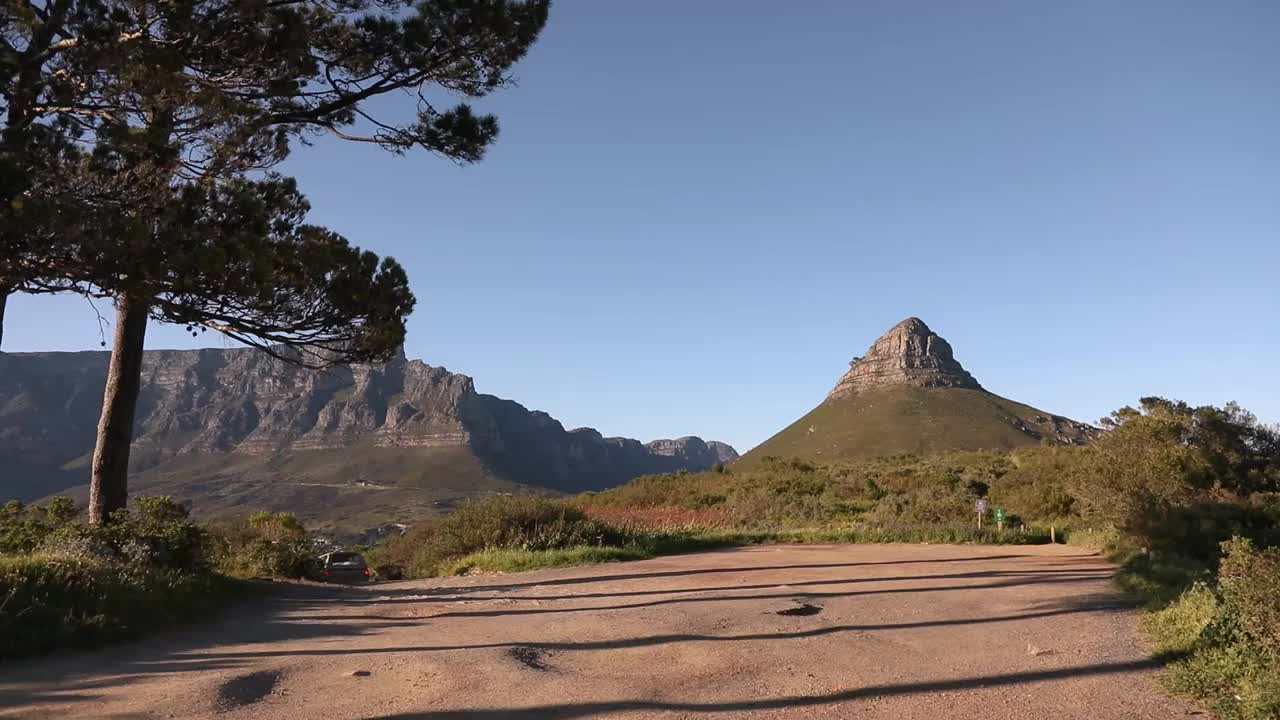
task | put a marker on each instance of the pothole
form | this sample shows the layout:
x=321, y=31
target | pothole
x=247, y=689
x=533, y=658
x=801, y=610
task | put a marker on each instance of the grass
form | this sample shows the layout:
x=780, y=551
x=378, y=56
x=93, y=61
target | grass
x=906, y=420
x=516, y=560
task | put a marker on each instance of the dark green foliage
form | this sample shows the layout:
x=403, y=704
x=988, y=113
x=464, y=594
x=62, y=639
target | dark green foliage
x=50, y=602
x=263, y=545
x=1180, y=480
x=155, y=533
x=66, y=584
x=118, y=107
x=1228, y=636
x=1249, y=581
x=23, y=528
x=1036, y=486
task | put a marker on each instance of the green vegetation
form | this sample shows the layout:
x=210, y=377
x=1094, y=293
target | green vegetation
x=1187, y=499
x=901, y=497
x=905, y=419
x=65, y=583
x=516, y=523
x=513, y=560
x=1228, y=636
x=263, y=545
x=60, y=600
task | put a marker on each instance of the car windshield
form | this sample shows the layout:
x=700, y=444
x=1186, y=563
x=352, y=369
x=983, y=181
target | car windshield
x=344, y=557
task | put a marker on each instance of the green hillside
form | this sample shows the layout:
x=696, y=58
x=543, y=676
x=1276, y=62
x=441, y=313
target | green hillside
x=909, y=419
x=346, y=489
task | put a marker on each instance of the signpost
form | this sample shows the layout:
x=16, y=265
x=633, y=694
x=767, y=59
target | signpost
x=999, y=516
x=980, y=505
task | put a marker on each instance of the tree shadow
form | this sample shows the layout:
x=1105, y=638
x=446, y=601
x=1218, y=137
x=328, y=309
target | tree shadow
x=1100, y=573
x=309, y=612
x=506, y=587
x=601, y=709
x=807, y=595
x=644, y=641
x=74, y=676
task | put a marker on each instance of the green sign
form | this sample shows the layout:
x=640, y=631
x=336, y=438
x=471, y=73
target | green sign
x=999, y=514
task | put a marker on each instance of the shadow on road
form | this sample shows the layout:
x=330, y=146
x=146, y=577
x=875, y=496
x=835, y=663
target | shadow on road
x=306, y=612
x=604, y=709
x=654, y=640
x=507, y=587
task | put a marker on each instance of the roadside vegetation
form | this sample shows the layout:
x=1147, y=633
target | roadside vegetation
x=1186, y=499
x=65, y=583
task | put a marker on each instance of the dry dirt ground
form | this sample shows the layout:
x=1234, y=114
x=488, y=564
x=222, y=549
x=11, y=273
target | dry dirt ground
x=867, y=631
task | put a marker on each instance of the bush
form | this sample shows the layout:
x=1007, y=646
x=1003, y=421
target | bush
x=1229, y=636
x=264, y=545
x=1249, y=581
x=54, y=602
x=521, y=522
x=23, y=528
x=148, y=567
x=156, y=532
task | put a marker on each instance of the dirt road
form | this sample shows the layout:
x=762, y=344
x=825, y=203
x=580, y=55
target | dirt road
x=870, y=631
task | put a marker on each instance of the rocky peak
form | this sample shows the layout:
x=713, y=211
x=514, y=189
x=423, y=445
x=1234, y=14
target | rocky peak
x=693, y=450
x=908, y=354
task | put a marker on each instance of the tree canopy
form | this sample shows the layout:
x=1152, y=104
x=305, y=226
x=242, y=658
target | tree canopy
x=139, y=132
x=146, y=95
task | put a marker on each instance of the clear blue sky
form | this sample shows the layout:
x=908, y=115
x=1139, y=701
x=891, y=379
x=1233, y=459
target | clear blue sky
x=697, y=212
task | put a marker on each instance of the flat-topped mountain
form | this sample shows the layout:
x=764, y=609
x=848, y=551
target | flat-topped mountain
x=908, y=393
x=232, y=428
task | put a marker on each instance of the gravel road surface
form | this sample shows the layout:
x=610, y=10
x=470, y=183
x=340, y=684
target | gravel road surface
x=886, y=632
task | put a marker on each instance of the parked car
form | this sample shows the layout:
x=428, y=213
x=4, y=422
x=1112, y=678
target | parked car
x=344, y=567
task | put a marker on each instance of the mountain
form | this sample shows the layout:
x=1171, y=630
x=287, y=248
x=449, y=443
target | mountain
x=236, y=429
x=908, y=394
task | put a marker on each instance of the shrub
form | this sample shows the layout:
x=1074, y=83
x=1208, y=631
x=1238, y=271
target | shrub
x=1249, y=580
x=521, y=522
x=156, y=532
x=51, y=602
x=264, y=545
x=24, y=528
x=1229, y=636
x=148, y=567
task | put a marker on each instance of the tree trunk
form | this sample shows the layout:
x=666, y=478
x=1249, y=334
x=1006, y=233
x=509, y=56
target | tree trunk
x=4, y=300
x=109, y=485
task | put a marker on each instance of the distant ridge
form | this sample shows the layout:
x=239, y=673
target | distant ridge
x=236, y=429
x=908, y=394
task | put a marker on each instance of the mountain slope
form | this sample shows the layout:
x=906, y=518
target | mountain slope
x=236, y=429
x=908, y=394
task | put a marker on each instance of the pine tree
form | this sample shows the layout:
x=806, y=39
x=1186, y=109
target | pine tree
x=137, y=129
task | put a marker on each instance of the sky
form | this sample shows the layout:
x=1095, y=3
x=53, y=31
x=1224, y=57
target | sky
x=698, y=212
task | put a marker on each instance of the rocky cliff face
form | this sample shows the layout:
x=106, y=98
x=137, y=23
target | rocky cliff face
x=242, y=402
x=909, y=354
